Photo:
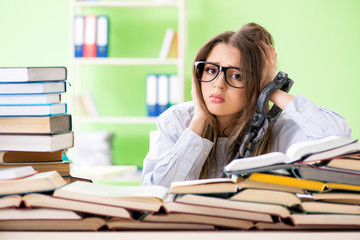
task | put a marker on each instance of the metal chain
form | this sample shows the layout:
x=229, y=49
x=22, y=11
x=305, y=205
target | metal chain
x=260, y=121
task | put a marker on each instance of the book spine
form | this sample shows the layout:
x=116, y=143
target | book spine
x=102, y=38
x=79, y=35
x=163, y=93
x=165, y=48
x=151, y=95
x=90, y=36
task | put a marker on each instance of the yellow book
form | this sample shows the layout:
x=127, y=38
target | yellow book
x=301, y=183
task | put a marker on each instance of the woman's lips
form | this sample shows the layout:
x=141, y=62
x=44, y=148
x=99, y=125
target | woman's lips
x=216, y=98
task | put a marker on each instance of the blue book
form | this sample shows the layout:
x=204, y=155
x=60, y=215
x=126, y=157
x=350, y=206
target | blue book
x=151, y=95
x=33, y=87
x=33, y=110
x=79, y=35
x=102, y=36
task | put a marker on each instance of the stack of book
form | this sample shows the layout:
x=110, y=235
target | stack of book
x=35, y=128
x=271, y=195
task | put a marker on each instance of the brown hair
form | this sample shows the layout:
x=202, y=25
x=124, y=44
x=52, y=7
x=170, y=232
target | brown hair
x=248, y=40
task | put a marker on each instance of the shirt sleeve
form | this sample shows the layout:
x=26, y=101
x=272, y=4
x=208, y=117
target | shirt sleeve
x=177, y=154
x=302, y=120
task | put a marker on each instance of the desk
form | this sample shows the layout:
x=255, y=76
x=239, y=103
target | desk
x=184, y=235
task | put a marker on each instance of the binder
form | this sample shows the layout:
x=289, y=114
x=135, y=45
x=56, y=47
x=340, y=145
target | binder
x=175, y=94
x=90, y=36
x=151, y=95
x=102, y=36
x=79, y=35
x=163, y=93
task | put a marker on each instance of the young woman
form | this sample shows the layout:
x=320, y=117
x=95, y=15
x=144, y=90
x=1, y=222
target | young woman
x=197, y=139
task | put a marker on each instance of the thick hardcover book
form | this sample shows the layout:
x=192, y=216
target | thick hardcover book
x=33, y=87
x=46, y=124
x=24, y=157
x=204, y=186
x=33, y=110
x=32, y=74
x=16, y=172
x=22, y=99
x=36, y=142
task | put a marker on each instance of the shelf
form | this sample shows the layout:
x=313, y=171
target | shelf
x=126, y=61
x=158, y=3
x=116, y=120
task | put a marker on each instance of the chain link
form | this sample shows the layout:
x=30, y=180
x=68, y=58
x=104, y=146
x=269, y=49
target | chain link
x=260, y=121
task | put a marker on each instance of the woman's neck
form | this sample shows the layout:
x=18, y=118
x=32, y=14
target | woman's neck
x=225, y=123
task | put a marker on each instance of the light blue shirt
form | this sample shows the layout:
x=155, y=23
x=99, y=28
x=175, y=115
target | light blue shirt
x=178, y=153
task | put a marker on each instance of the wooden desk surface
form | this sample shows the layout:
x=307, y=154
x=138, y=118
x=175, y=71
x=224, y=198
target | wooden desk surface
x=184, y=235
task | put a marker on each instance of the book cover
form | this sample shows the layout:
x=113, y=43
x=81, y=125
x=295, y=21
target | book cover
x=90, y=36
x=32, y=74
x=63, y=168
x=102, y=37
x=79, y=26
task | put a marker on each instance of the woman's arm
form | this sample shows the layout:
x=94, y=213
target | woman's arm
x=178, y=153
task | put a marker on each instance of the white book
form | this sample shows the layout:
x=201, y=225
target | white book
x=36, y=142
x=32, y=74
x=35, y=87
x=17, y=99
x=165, y=48
x=33, y=110
x=296, y=152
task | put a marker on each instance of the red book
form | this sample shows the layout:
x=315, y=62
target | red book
x=90, y=36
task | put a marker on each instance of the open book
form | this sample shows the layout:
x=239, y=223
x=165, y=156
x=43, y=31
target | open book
x=328, y=147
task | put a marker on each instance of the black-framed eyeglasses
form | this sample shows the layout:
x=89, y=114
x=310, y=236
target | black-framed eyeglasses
x=207, y=72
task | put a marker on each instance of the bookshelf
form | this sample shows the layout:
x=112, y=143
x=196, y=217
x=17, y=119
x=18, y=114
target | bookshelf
x=77, y=65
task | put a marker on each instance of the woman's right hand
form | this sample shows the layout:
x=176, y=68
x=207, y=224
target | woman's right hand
x=199, y=120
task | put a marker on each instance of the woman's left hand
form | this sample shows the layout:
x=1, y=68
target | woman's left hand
x=269, y=69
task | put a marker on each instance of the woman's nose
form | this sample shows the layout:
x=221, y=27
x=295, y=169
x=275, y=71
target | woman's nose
x=219, y=81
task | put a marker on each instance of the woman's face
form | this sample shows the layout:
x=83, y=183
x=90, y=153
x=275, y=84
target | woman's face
x=221, y=99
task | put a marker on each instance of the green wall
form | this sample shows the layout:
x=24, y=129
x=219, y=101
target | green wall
x=317, y=41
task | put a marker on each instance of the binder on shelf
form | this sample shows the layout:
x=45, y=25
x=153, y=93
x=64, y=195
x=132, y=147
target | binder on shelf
x=175, y=93
x=102, y=36
x=79, y=35
x=163, y=93
x=165, y=48
x=151, y=95
x=90, y=36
